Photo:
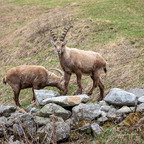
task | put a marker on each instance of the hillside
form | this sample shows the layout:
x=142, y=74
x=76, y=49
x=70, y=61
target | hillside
x=113, y=28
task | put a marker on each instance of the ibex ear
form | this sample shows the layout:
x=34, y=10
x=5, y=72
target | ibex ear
x=52, y=42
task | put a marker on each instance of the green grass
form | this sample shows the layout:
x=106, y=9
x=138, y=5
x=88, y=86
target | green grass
x=52, y=3
x=114, y=28
x=102, y=25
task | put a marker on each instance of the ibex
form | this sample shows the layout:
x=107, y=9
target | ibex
x=31, y=76
x=80, y=62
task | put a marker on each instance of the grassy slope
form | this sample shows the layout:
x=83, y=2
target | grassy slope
x=112, y=27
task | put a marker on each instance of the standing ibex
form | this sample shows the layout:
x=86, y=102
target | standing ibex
x=79, y=62
x=30, y=76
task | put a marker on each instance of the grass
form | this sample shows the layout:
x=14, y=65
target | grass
x=111, y=27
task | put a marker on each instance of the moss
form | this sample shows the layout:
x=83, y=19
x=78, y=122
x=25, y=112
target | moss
x=132, y=119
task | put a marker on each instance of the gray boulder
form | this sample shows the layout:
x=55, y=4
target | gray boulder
x=45, y=133
x=105, y=108
x=124, y=110
x=5, y=121
x=140, y=107
x=67, y=100
x=51, y=108
x=102, y=119
x=141, y=99
x=1, y=132
x=60, y=131
x=112, y=114
x=96, y=129
x=120, y=97
x=86, y=112
x=18, y=129
x=85, y=128
x=71, y=122
x=139, y=92
x=44, y=94
x=33, y=110
x=43, y=121
x=28, y=123
x=7, y=110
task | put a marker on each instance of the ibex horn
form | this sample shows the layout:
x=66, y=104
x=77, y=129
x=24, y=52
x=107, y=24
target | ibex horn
x=65, y=32
x=53, y=35
x=58, y=70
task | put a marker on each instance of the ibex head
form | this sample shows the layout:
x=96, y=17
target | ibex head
x=62, y=81
x=60, y=44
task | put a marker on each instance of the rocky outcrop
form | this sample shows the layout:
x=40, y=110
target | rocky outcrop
x=7, y=110
x=44, y=94
x=51, y=108
x=86, y=112
x=120, y=97
x=67, y=101
x=54, y=121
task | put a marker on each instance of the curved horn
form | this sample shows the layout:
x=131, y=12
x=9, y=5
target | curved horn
x=53, y=35
x=65, y=32
x=58, y=70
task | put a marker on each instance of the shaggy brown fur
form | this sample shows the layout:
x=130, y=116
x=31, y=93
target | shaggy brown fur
x=30, y=76
x=80, y=62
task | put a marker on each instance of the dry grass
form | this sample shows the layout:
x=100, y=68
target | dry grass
x=25, y=39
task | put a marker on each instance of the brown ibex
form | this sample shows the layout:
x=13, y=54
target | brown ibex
x=80, y=62
x=31, y=76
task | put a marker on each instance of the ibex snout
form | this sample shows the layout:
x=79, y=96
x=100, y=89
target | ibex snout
x=59, y=52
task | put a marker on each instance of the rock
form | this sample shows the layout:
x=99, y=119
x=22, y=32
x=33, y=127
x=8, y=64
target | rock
x=102, y=119
x=105, y=108
x=28, y=123
x=33, y=110
x=45, y=133
x=112, y=114
x=7, y=110
x=86, y=112
x=51, y=108
x=11, y=141
x=141, y=99
x=103, y=114
x=102, y=103
x=28, y=108
x=137, y=91
x=1, y=132
x=120, y=97
x=85, y=128
x=67, y=100
x=71, y=123
x=14, y=115
x=124, y=110
x=43, y=121
x=5, y=121
x=62, y=132
x=95, y=128
x=140, y=107
x=44, y=94
x=18, y=129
